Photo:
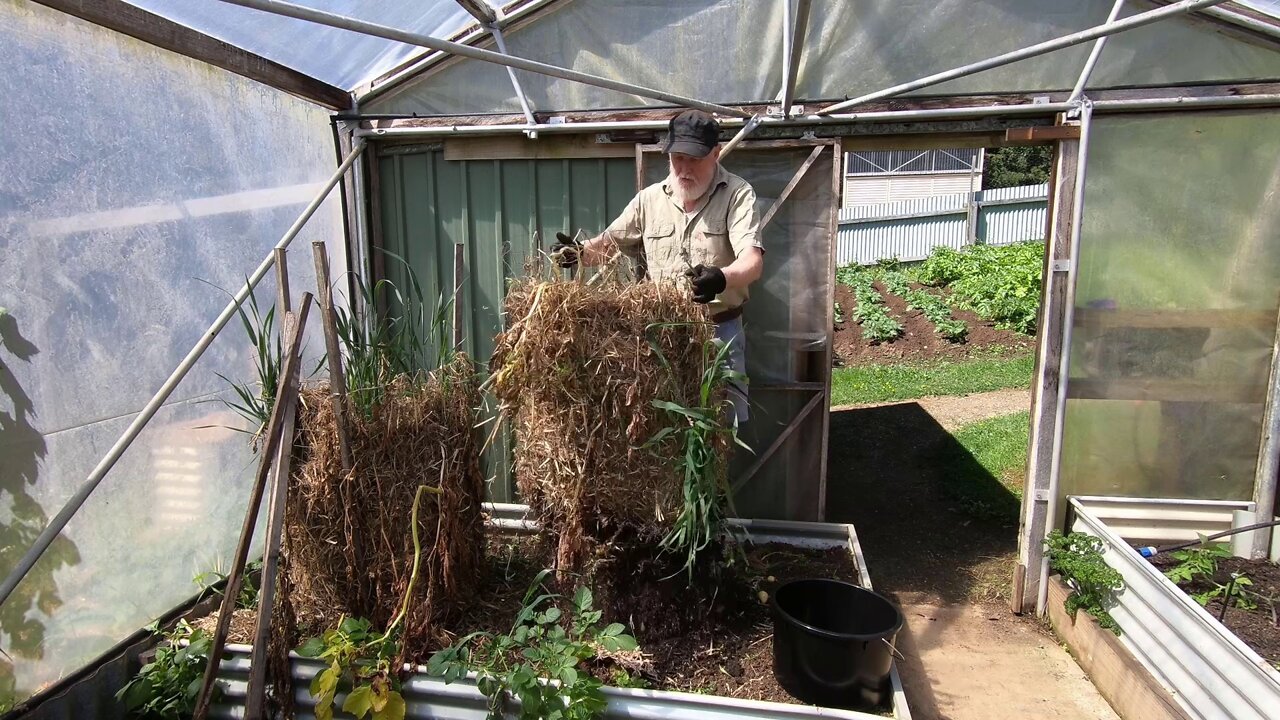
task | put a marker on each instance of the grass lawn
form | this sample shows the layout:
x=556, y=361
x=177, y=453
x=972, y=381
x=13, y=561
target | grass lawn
x=984, y=468
x=887, y=383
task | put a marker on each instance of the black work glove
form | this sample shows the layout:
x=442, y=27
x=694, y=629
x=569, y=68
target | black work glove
x=566, y=250
x=708, y=282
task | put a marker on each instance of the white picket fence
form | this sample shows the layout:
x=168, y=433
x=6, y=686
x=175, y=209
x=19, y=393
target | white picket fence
x=910, y=230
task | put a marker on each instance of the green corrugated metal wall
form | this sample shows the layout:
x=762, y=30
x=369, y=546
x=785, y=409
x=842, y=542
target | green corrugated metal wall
x=493, y=208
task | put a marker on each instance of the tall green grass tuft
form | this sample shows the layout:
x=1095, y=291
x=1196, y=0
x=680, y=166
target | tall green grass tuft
x=703, y=431
x=380, y=347
x=255, y=399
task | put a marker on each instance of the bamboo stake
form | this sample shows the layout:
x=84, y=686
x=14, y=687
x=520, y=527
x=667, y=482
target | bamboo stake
x=285, y=398
x=337, y=377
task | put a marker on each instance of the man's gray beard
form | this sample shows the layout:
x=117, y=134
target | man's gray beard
x=678, y=190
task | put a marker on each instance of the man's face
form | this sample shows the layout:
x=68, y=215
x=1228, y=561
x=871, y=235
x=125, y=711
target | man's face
x=691, y=176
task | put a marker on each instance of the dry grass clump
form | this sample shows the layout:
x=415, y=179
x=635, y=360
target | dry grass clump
x=348, y=539
x=577, y=373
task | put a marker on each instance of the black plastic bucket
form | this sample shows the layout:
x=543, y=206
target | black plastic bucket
x=833, y=643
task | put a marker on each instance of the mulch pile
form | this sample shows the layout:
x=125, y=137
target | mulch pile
x=577, y=373
x=348, y=546
x=918, y=340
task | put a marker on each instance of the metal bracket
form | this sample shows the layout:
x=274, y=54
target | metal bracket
x=1060, y=265
x=1042, y=495
x=1041, y=100
x=776, y=110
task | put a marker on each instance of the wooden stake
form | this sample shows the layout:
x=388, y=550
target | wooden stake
x=255, y=693
x=337, y=377
x=285, y=399
x=459, y=253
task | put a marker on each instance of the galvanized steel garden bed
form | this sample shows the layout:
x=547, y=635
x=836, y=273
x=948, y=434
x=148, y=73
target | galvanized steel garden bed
x=430, y=697
x=1210, y=672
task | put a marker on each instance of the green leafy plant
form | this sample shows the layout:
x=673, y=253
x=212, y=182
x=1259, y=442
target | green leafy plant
x=540, y=660
x=839, y=314
x=934, y=308
x=998, y=282
x=361, y=660
x=701, y=429
x=1197, y=562
x=255, y=399
x=382, y=346
x=1078, y=556
x=871, y=314
x=247, y=598
x=169, y=685
x=623, y=679
x=1234, y=593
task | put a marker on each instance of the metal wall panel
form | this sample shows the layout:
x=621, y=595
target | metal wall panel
x=493, y=208
x=911, y=230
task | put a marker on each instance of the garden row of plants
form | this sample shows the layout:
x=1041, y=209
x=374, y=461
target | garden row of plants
x=998, y=283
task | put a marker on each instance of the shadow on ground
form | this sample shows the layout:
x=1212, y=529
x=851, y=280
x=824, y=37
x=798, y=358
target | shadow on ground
x=893, y=469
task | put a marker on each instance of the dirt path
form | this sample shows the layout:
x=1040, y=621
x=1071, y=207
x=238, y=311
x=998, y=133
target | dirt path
x=953, y=411
x=965, y=654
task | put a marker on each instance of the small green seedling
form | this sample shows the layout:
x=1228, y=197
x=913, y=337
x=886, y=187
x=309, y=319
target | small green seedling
x=1197, y=562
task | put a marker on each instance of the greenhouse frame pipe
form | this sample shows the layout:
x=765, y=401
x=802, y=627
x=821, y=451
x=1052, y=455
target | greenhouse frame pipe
x=515, y=81
x=1243, y=21
x=799, y=26
x=342, y=22
x=1094, y=54
x=131, y=433
x=1064, y=363
x=1048, y=46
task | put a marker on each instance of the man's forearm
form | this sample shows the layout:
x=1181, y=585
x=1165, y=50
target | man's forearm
x=598, y=250
x=744, y=270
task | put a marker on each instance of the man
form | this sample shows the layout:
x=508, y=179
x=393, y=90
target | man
x=700, y=222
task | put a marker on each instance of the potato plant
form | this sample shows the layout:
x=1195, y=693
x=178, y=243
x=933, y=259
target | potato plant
x=933, y=307
x=1000, y=283
x=871, y=314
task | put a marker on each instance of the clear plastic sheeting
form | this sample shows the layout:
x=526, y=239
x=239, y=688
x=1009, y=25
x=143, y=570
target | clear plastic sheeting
x=118, y=224
x=1176, y=304
x=731, y=51
x=788, y=335
x=338, y=57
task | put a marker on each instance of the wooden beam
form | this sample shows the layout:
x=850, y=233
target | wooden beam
x=133, y=21
x=1102, y=319
x=1041, y=134
x=547, y=147
x=1044, y=398
x=1131, y=689
x=1166, y=390
x=778, y=442
x=480, y=10
x=795, y=180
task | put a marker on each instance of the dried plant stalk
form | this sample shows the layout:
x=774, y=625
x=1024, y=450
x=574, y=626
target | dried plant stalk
x=577, y=374
x=348, y=536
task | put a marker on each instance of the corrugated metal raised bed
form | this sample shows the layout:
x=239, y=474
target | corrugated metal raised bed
x=427, y=697
x=1209, y=671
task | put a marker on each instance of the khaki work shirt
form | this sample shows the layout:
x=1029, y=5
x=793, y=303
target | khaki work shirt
x=716, y=233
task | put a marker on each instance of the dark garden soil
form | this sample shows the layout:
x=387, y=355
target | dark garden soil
x=918, y=340
x=715, y=638
x=1258, y=628
x=717, y=643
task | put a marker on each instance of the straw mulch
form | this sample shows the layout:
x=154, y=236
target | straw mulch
x=348, y=539
x=577, y=376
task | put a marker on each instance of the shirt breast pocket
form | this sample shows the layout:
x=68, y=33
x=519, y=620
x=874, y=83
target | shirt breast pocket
x=711, y=245
x=659, y=246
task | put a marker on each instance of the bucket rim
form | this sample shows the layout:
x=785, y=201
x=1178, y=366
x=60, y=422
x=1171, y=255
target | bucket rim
x=777, y=608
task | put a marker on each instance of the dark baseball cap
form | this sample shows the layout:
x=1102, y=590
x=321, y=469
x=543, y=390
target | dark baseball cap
x=692, y=132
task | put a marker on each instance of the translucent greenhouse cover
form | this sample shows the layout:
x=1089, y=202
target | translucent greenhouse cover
x=1176, y=304
x=730, y=51
x=339, y=57
x=147, y=181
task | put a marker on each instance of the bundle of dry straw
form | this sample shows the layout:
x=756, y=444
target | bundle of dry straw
x=577, y=373
x=348, y=540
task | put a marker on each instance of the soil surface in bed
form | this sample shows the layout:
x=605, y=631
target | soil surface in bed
x=1257, y=627
x=713, y=638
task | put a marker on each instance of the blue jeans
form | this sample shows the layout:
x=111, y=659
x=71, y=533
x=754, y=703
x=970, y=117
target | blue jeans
x=732, y=333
